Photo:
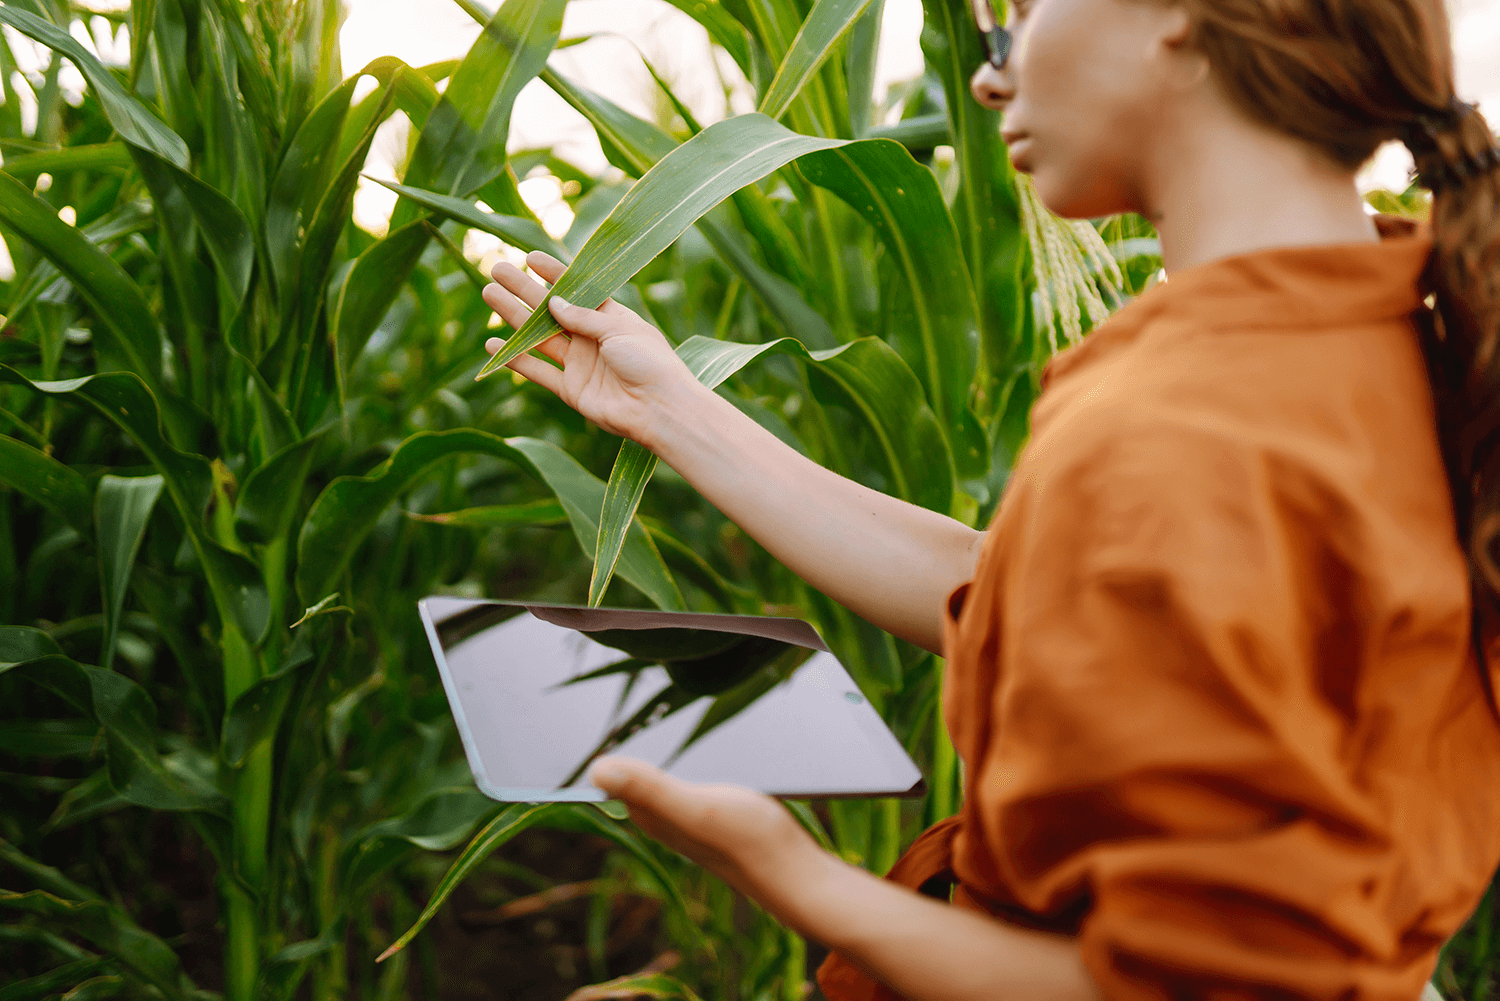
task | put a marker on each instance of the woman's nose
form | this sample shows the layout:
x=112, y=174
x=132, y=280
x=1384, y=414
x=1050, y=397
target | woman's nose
x=990, y=87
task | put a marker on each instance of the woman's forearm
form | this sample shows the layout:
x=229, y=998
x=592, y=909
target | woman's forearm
x=891, y=562
x=923, y=949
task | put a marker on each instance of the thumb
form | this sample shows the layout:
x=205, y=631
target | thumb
x=634, y=782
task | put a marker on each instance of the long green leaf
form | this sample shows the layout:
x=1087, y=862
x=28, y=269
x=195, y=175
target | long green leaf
x=110, y=929
x=860, y=63
x=301, y=179
x=462, y=146
x=723, y=29
x=368, y=291
x=259, y=710
x=514, y=230
x=514, y=820
x=269, y=498
x=122, y=507
x=55, y=981
x=542, y=512
x=121, y=309
x=47, y=481
x=673, y=195
x=100, y=156
x=826, y=25
x=124, y=711
x=635, y=146
x=223, y=226
x=986, y=209
x=868, y=377
x=439, y=822
x=131, y=119
x=347, y=509
x=656, y=986
x=123, y=400
x=328, y=220
x=902, y=200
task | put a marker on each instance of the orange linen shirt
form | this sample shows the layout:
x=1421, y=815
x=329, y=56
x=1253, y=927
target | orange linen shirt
x=1212, y=681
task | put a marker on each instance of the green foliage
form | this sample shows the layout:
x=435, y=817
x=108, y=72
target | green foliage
x=242, y=437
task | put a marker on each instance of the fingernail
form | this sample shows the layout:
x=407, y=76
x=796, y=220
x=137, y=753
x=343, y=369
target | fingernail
x=560, y=302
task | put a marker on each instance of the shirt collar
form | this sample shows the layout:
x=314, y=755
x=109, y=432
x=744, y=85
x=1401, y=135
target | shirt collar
x=1286, y=287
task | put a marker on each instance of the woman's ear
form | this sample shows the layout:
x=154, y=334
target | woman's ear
x=1173, y=43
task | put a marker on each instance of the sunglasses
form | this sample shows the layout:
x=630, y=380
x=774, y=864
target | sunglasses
x=997, y=37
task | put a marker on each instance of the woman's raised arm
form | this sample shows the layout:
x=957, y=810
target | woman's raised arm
x=891, y=562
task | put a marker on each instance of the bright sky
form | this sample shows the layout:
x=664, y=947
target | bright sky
x=425, y=31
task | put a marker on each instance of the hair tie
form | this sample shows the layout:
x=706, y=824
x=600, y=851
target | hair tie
x=1421, y=134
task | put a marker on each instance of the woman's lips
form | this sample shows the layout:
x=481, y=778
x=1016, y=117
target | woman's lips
x=1016, y=144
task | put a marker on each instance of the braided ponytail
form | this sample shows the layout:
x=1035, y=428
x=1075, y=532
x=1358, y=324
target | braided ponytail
x=1461, y=164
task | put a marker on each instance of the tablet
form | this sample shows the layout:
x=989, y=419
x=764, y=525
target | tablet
x=541, y=691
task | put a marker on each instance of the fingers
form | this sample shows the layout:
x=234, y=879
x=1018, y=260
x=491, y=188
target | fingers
x=513, y=279
x=554, y=347
x=507, y=304
x=537, y=371
x=545, y=265
x=578, y=320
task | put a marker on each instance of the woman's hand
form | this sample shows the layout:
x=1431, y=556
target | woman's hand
x=923, y=949
x=617, y=370
x=745, y=838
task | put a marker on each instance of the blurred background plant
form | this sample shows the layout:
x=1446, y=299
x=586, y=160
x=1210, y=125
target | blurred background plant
x=242, y=435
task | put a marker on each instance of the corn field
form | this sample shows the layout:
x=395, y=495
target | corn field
x=240, y=437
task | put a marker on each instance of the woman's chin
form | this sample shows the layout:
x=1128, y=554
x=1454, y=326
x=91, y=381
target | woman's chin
x=1073, y=200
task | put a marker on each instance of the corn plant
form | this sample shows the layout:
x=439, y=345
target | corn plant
x=215, y=387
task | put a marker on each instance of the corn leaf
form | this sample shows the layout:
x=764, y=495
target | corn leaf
x=865, y=375
x=542, y=512
x=864, y=52
x=122, y=506
x=47, y=481
x=372, y=285
x=270, y=495
x=826, y=25
x=635, y=146
x=672, y=195
x=223, y=226
x=723, y=29
x=462, y=146
x=123, y=400
x=110, y=929
x=439, y=822
x=124, y=711
x=136, y=125
x=517, y=231
x=901, y=199
x=986, y=209
x=347, y=509
x=515, y=819
x=99, y=156
x=259, y=710
x=121, y=310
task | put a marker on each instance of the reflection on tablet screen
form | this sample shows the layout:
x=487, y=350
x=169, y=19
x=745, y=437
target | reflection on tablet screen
x=541, y=691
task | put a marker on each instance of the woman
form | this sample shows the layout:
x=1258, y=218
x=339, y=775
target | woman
x=1215, y=678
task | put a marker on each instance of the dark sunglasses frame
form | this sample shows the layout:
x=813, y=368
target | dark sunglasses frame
x=997, y=37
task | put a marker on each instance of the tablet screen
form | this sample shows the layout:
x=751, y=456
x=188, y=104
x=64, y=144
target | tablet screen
x=541, y=691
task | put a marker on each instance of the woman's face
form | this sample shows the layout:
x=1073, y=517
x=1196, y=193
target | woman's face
x=1085, y=93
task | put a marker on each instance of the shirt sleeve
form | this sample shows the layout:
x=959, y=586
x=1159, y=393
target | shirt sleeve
x=1178, y=719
